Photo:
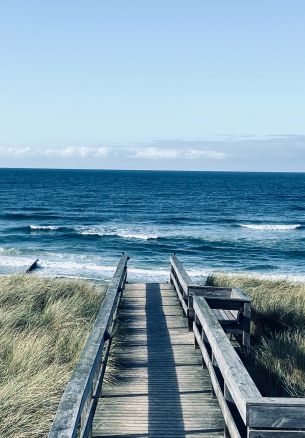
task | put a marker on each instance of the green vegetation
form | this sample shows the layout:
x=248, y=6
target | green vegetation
x=44, y=324
x=277, y=357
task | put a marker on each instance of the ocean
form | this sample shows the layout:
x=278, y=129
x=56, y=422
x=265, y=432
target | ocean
x=78, y=222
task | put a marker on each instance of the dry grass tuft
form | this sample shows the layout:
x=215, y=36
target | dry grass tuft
x=44, y=323
x=278, y=332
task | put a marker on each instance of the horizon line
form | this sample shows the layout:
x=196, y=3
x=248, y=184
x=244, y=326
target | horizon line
x=151, y=170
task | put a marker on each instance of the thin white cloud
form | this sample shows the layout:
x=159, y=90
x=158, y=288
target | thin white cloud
x=239, y=153
x=102, y=152
x=213, y=155
x=67, y=152
x=15, y=152
x=156, y=153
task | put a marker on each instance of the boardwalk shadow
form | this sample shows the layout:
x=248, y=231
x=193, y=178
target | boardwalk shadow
x=164, y=403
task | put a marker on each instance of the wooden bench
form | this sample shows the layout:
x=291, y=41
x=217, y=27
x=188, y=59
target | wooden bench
x=232, y=306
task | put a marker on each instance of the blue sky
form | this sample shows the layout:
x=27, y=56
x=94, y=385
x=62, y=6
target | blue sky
x=203, y=85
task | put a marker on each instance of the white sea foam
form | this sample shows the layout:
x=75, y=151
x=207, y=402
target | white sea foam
x=70, y=266
x=44, y=227
x=141, y=236
x=197, y=273
x=142, y=274
x=119, y=232
x=7, y=251
x=95, y=233
x=271, y=227
x=15, y=262
x=103, y=271
x=132, y=232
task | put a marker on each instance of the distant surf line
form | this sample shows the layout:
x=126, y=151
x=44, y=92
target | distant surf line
x=272, y=227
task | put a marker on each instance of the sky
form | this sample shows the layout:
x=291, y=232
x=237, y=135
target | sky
x=162, y=84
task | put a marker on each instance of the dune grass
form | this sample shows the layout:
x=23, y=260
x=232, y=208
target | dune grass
x=44, y=323
x=277, y=357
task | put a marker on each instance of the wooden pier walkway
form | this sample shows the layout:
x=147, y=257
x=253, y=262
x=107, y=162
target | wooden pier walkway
x=163, y=390
x=177, y=372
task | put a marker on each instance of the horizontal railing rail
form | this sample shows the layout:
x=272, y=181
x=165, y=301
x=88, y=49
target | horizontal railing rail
x=76, y=409
x=246, y=412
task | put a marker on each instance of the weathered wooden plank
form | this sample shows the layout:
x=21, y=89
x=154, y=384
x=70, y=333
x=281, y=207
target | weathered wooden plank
x=220, y=293
x=223, y=315
x=236, y=377
x=220, y=303
x=230, y=315
x=279, y=401
x=239, y=293
x=252, y=433
x=277, y=414
x=211, y=291
x=162, y=390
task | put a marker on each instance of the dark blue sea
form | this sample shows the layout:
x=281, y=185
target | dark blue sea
x=78, y=222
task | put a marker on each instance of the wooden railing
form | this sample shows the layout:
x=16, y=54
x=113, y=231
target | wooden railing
x=78, y=403
x=231, y=306
x=246, y=412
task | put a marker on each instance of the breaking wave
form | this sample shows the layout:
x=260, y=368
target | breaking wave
x=45, y=227
x=271, y=227
x=125, y=234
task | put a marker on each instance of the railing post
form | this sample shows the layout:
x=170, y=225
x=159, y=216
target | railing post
x=86, y=412
x=195, y=322
x=170, y=276
x=228, y=400
x=205, y=340
x=189, y=318
x=246, y=325
x=214, y=363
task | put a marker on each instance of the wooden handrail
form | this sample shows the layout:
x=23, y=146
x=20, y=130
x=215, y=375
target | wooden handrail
x=77, y=405
x=237, y=379
x=262, y=416
x=180, y=273
x=246, y=412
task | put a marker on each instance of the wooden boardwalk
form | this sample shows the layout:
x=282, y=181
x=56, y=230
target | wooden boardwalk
x=162, y=389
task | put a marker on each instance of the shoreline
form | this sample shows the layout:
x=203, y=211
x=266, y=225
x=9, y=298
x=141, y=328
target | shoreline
x=161, y=275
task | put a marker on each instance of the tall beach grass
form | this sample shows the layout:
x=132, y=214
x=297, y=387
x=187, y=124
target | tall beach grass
x=44, y=324
x=277, y=357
